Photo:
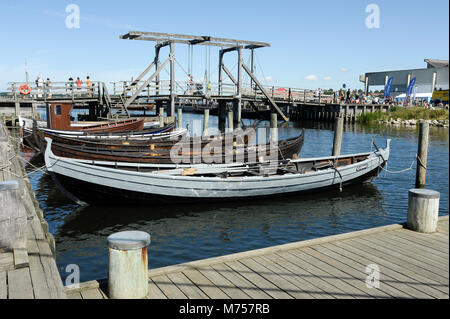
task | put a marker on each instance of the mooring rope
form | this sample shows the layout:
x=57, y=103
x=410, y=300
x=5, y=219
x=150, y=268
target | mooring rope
x=340, y=176
x=403, y=170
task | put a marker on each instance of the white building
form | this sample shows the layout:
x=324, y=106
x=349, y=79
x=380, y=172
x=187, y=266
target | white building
x=433, y=77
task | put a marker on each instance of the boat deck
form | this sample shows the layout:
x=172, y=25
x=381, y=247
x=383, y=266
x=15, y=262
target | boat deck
x=410, y=264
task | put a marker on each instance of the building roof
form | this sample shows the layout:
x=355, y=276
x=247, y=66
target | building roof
x=435, y=63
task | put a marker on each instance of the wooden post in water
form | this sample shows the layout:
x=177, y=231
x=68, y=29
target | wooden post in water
x=34, y=114
x=230, y=121
x=180, y=118
x=205, y=122
x=161, y=117
x=422, y=155
x=337, y=141
x=128, y=265
x=273, y=127
x=423, y=210
x=17, y=110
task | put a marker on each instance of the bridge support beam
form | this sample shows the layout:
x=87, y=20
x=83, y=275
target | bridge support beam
x=271, y=101
x=222, y=112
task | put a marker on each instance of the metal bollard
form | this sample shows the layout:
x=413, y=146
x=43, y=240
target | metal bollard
x=423, y=210
x=128, y=265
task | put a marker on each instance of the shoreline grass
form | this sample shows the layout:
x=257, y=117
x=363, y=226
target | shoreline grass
x=410, y=113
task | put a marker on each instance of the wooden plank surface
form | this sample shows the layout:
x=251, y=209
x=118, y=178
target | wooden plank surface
x=405, y=279
x=186, y=286
x=205, y=284
x=74, y=295
x=3, y=288
x=223, y=284
x=6, y=261
x=91, y=294
x=20, y=258
x=412, y=265
x=154, y=292
x=19, y=284
x=304, y=289
x=168, y=288
x=240, y=281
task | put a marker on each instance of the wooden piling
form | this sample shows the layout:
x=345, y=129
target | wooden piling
x=205, y=122
x=180, y=118
x=161, y=117
x=273, y=127
x=17, y=109
x=422, y=154
x=337, y=141
x=230, y=121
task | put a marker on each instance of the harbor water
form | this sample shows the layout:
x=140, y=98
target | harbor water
x=182, y=233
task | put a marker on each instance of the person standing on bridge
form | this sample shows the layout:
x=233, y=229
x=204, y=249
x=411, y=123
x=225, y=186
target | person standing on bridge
x=347, y=99
x=79, y=86
x=70, y=86
x=39, y=84
x=89, y=85
x=48, y=84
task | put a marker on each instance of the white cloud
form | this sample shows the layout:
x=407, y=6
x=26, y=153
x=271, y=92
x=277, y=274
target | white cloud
x=312, y=77
x=327, y=78
x=344, y=70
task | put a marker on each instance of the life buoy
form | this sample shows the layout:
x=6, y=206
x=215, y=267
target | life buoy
x=25, y=89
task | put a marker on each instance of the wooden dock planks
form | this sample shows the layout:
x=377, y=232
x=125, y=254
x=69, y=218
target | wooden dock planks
x=411, y=264
x=19, y=284
x=29, y=271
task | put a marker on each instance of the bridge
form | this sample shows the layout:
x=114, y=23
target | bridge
x=148, y=89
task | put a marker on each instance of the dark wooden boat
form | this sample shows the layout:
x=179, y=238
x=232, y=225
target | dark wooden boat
x=35, y=137
x=182, y=152
x=240, y=136
x=58, y=118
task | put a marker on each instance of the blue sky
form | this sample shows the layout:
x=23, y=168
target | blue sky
x=313, y=43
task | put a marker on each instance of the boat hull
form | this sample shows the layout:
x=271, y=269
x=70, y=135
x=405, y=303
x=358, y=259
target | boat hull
x=101, y=184
x=83, y=192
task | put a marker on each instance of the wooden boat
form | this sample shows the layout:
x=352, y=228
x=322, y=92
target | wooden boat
x=189, y=151
x=149, y=141
x=88, y=181
x=35, y=137
x=58, y=118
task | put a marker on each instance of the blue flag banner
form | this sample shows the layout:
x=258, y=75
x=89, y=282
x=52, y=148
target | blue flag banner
x=410, y=87
x=387, y=89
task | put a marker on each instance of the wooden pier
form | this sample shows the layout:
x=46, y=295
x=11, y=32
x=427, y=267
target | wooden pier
x=28, y=271
x=410, y=265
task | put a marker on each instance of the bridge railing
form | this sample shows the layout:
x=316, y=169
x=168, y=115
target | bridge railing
x=181, y=88
x=54, y=90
